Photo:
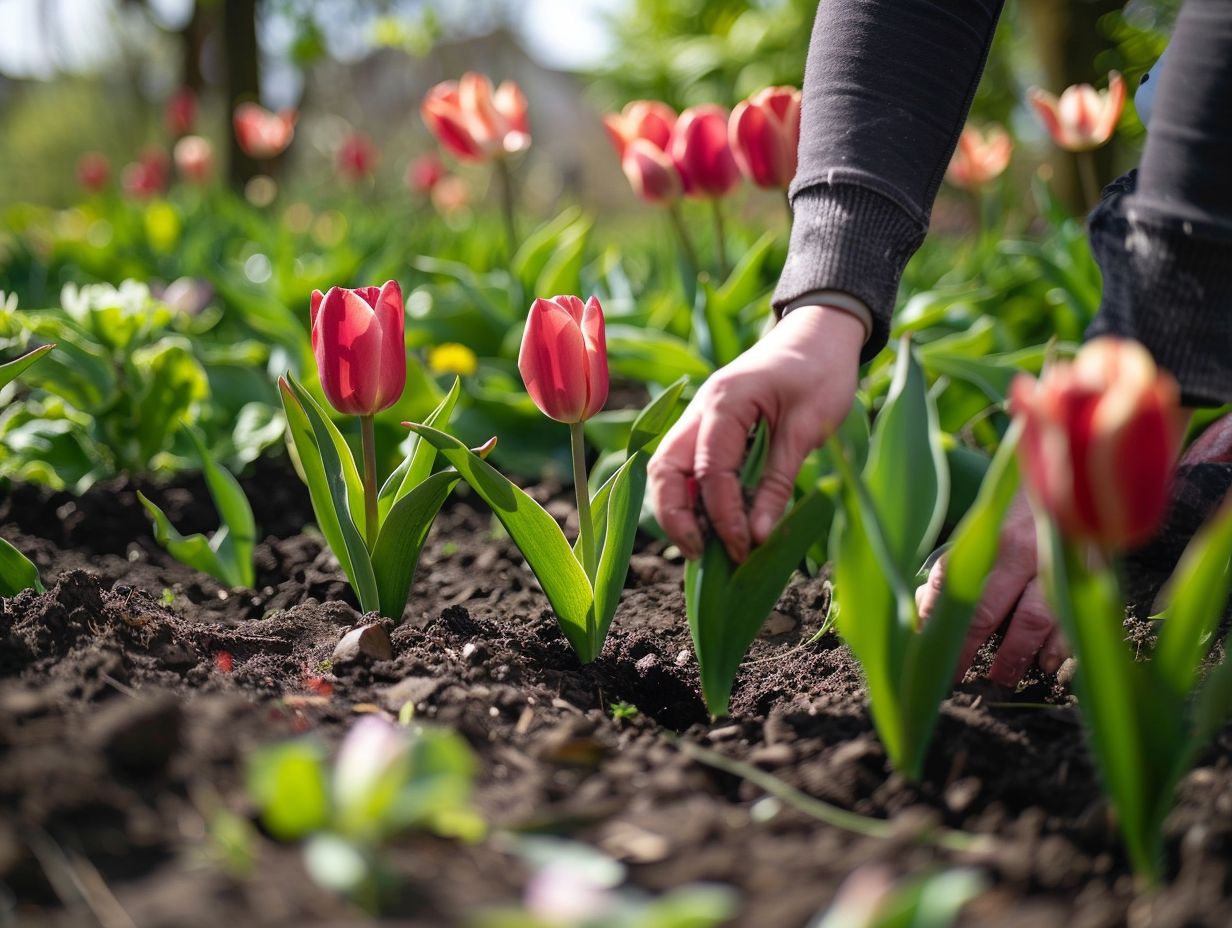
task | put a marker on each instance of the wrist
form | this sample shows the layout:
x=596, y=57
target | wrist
x=819, y=324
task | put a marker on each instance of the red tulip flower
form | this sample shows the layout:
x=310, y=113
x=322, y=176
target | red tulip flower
x=474, y=122
x=651, y=172
x=180, y=113
x=261, y=134
x=764, y=133
x=424, y=173
x=1099, y=442
x=93, y=171
x=357, y=338
x=563, y=359
x=702, y=154
x=357, y=158
x=641, y=119
x=146, y=177
x=979, y=157
x=194, y=159
x=1082, y=118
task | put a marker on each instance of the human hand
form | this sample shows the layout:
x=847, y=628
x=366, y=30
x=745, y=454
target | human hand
x=1013, y=591
x=801, y=378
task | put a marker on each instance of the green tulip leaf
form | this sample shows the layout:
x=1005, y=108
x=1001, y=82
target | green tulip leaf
x=536, y=534
x=402, y=538
x=12, y=369
x=236, y=544
x=191, y=550
x=17, y=572
x=653, y=421
x=288, y=784
x=417, y=465
x=622, y=510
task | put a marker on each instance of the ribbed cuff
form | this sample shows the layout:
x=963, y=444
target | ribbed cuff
x=854, y=240
x=1168, y=284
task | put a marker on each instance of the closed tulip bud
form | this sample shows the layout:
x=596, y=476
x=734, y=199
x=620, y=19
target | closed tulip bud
x=358, y=341
x=93, y=171
x=424, y=173
x=563, y=359
x=979, y=157
x=651, y=172
x=1099, y=442
x=357, y=158
x=180, y=113
x=641, y=119
x=474, y=122
x=1082, y=118
x=702, y=154
x=764, y=133
x=194, y=159
x=146, y=177
x=374, y=752
x=262, y=134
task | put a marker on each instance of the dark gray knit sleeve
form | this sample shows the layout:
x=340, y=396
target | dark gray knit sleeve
x=887, y=87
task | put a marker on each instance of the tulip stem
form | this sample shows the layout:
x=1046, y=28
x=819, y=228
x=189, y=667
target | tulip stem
x=586, y=525
x=1088, y=178
x=720, y=238
x=367, y=429
x=686, y=243
x=505, y=182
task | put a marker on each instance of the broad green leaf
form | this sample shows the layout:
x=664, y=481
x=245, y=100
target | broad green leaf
x=417, y=465
x=402, y=538
x=537, y=536
x=10, y=371
x=622, y=511
x=906, y=473
x=652, y=356
x=932, y=901
x=991, y=378
x=333, y=462
x=437, y=793
x=714, y=328
x=235, y=548
x=562, y=270
x=193, y=550
x=653, y=421
x=727, y=605
x=931, y=654
x=173, y=381
x=288, y=784
x=17, y=572
x=537, y=248
x=1198, y=593
x=744, y=284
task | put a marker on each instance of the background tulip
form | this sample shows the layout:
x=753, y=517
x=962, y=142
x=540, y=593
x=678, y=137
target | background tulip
x=702, y=153
x=194, y=159
x=1099, y=443
x=423, y=173
x=475, y=123
x=146, y=177
x=180, y=113
x=1082, y=118
x=357, y=158
x=357, y=338
x=764, y=134
x=93, y=171
x=563, y=359
x=641, y=119
x=979, y=157
x=651, y=173
x=261, y=134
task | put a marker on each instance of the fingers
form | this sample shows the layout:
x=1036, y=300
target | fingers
x=1054, y=652
x=1030, y=627
x=1004, y=588
x=926, y=596
x=778, y=481
x=669, y=473
x=721, y=441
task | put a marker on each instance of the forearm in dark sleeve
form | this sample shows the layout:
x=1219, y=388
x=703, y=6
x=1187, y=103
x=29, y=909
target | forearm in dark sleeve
x=1166, y=247
x=887, y=87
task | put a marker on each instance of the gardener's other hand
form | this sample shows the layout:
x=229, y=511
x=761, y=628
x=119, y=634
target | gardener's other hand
x=1013, y=591
x=800, y=378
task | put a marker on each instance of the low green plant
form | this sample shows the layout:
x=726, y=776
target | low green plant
x=871, y=898
x=227, y=555
x=583, y=608
x=17, y=572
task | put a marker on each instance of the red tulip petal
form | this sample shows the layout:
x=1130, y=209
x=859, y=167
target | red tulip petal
x=347, y=344
x=595, y=337
x=391, y=316
x=553, y=363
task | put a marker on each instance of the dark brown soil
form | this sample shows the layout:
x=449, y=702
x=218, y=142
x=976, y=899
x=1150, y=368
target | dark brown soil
x=131, y=691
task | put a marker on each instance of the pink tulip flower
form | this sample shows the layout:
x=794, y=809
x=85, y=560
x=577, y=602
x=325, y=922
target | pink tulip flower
x=194, y=159
x=764, y=133
x=261, y=134
x=358, y=157
x=475, y=123
x=641, y=119
x=702, y=154
x=979, y=157
x=651, y=172
x=563, y=359
x=180, y=113
x=1099, y=442
x=424, y=173
x=358, y=341
x=147, y=176
x=93, y=171
x=1082, y=118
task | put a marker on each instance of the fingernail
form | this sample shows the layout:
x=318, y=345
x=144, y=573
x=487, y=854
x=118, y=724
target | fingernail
x=763, y=525
x=1050, y=662
x=692, y=546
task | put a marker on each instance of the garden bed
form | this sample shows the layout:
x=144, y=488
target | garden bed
x=132, y=689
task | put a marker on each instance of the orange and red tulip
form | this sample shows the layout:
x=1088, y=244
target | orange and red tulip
x=359, y=344
x=641, y=119
x=764, y=134
x=262, y=134
x=1100, y=439
x=702, y=154
x=979, y=157
x=563, y=359
x=1082, y=118
x=474, y=122
x=651, y=172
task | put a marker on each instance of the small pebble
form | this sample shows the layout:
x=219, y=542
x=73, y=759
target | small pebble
x=366, y=643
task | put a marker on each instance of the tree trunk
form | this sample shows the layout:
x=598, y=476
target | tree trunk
x=243, y=71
